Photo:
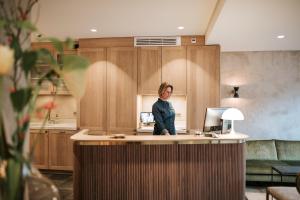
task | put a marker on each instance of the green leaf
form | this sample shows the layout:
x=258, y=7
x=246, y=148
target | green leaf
x=2, y=23
x=15, y=45
x=73, y=72
x=27, y=25
x=13, y=178
x=20, y=98
x=3, y=142
x=29, y=60
x=69, y=43
x=73, y=62
x=45, y=56
x=57, y=44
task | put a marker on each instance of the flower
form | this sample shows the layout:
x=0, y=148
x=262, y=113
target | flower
x=49, y=105
x=6, y=59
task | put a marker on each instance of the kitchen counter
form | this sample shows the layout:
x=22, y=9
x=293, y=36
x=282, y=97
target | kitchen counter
x=85, y=138
x=159, y=167
x=55, y=126
x=150, y=130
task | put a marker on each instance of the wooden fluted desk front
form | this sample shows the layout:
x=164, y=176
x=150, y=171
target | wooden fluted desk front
x=159, y=167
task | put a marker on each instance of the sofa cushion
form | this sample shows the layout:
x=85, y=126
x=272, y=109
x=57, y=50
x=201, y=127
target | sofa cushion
x=288, y=150
x=261, y=166
x=292, y=162
x=261, y=150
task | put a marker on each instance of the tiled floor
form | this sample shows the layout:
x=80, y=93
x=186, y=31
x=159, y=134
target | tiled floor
x=64, y=182
x=256, y=193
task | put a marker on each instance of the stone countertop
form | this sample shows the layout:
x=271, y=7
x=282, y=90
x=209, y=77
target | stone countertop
x=84, y=138
x=55, y=126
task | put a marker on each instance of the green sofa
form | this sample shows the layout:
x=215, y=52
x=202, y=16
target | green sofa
x=261, y=155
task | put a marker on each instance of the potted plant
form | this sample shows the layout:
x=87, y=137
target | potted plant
x=18, y=94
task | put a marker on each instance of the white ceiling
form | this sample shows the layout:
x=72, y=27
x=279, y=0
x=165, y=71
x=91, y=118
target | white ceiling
x=240, y=25
x=253, y=25
x=117, y=18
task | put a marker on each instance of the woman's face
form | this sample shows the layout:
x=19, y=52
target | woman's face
x=166, y=94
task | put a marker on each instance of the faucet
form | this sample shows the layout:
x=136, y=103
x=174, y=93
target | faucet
x=49, y=120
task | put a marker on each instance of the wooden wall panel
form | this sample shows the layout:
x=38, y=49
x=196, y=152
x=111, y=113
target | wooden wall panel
x=174, y=69
x=106, y=42
x=187, y=40
x=92, y=108
x=121, y=88
x=149, y=70
x=203, y=70
x=160, y=172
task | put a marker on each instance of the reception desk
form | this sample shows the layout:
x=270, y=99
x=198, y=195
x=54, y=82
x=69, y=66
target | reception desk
x=181, y=167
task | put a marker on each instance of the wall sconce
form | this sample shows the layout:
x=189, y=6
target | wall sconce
x=235, y=92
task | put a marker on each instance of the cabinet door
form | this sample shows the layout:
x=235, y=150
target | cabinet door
x=149, y=70
x=203, y=64
x=92, y=112
x=122, y=88
x=60, y=150
x=39, y=144
x=174, y=68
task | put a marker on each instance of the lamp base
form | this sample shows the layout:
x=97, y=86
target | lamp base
x=232, y=131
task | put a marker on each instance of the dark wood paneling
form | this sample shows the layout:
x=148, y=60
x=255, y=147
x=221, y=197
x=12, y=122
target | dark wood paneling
x=177, y=171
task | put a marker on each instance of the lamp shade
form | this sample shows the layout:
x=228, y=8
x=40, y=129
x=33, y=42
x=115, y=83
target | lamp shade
x=232, y=114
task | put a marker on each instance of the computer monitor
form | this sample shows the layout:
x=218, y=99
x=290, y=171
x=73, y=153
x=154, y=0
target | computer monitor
x=213, y=121
x=146, y=117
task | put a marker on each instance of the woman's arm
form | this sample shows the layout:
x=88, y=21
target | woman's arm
x=158, y=120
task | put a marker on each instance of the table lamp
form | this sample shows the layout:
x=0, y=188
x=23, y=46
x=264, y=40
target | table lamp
x=232, y=114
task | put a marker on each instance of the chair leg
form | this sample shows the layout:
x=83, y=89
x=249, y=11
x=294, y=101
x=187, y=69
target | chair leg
x=267, y=194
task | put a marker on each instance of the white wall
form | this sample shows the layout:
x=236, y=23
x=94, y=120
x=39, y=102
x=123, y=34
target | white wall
x=269, y=92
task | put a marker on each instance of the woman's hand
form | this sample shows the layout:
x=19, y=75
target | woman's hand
x=165, y=132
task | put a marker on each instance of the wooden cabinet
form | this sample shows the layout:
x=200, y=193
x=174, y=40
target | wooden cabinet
x=92, y=109
x=39, y=143
x=53, y=149
x=174, y=69
x=47, y=87
x=160, y=64
x=109, y=103
x=60, y=150
x=203, y=70
x=149, y=70
x=121, y=88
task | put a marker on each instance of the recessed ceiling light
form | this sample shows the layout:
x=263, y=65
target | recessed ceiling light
x=93, y=30
x=280, y=36
x=180, y=27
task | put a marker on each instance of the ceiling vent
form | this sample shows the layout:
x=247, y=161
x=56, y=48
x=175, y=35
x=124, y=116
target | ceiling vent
x=157, y=41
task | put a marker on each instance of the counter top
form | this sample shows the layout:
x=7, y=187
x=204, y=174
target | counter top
x=56, y=126
x=84, y=138
x=150, y=130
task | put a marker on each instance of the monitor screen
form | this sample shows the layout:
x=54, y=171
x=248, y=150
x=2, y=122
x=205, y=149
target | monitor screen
x=146, y=117
x=213, y=121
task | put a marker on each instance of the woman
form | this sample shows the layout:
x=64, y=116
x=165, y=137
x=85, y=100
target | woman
x=163, y=112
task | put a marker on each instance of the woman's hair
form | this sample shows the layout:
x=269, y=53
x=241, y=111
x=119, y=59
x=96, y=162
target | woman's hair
x=163, y=87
